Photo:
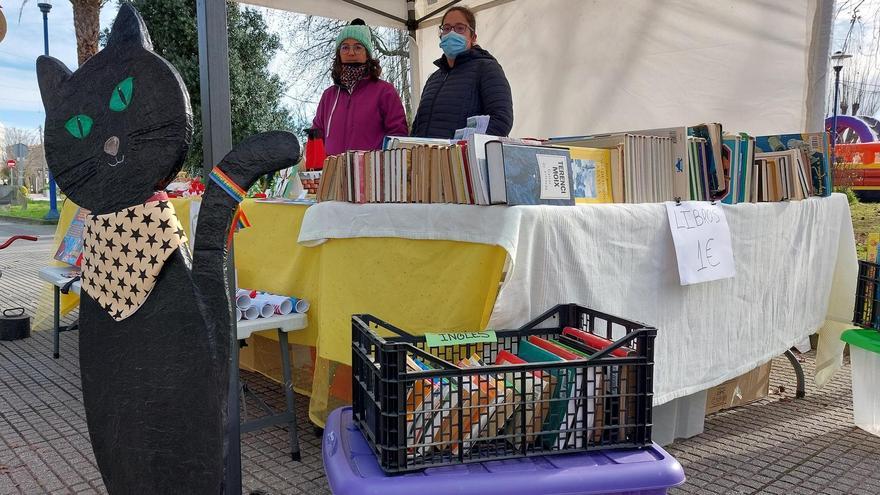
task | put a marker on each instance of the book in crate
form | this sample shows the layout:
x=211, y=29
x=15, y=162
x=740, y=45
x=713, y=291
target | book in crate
x=573, y=379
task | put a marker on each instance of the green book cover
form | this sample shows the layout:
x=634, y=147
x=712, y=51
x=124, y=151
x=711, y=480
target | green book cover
x=569, y=348
x=534, y=354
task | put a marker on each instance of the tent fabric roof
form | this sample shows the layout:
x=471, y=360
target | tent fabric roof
x=339, y=9
x=391, y=13
x=586, y=66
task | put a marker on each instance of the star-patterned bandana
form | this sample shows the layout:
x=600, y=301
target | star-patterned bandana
x=124, y=252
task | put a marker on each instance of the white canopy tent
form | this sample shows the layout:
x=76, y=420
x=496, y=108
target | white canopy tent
x=585, y=66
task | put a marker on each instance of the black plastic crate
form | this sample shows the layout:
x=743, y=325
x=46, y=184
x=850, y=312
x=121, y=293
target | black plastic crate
x=867, y=296
x=453, y=414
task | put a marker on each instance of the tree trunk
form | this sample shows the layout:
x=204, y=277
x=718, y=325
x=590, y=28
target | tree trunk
x=86, y=21
x=404, y=62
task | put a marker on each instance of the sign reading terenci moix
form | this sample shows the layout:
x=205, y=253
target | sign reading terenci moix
x=702, y=241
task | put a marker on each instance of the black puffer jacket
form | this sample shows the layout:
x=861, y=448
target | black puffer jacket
x=475, y=85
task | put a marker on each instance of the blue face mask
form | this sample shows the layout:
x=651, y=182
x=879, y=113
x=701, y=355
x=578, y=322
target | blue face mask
x=453, y=44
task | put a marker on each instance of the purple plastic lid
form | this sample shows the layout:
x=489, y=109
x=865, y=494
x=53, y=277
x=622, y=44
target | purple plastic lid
x=352, y=469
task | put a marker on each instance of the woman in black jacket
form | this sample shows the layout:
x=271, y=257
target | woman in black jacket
x=469, y=82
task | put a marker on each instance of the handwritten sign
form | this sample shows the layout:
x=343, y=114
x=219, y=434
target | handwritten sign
x=444, y=339
x=702, y=241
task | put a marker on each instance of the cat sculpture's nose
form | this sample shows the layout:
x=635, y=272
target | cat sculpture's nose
x=111, y=146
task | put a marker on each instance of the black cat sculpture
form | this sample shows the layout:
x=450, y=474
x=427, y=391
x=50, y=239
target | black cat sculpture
x=155, y=323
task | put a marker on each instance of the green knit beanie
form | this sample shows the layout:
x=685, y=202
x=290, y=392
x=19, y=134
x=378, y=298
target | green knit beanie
x=358, y=31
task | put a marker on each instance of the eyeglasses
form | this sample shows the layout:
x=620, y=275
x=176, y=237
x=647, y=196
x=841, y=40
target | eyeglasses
x=356, y=48
x=458, y=28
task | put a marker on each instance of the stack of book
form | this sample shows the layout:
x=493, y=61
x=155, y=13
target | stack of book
x=699, y=163
x=418, y=174
x=706, y=164
x=546, y=410
x=412, y=170
x=645, y=166
x=812, y=177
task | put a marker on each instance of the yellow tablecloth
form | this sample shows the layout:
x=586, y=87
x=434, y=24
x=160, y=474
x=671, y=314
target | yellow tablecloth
x=416, y=285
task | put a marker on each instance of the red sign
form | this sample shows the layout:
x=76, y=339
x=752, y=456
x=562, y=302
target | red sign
x=10, y=163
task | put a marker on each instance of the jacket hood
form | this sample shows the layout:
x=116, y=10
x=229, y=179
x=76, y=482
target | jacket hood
x=476, y=52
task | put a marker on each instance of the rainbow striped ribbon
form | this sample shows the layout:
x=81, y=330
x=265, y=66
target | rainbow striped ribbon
x=239, y=221
x=242, y=220
x=227, y=184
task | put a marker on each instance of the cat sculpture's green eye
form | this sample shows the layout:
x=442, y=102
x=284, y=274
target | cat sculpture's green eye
x=79, y=126
x=121, y=97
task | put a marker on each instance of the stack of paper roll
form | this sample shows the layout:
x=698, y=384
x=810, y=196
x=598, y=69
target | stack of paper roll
x=252, y=304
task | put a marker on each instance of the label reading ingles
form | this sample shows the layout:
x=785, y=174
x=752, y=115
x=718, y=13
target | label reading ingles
x=444, y=339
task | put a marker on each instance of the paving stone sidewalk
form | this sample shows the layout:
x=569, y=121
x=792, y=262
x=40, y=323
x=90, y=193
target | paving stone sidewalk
x=776, y=445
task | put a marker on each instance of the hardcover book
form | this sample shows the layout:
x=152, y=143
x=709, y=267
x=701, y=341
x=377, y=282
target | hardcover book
x=528, y=175
x=591, y=175
x=70, y=249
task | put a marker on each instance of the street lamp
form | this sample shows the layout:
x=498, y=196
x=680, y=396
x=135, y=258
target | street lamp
x=837, y=59
x=45, y=7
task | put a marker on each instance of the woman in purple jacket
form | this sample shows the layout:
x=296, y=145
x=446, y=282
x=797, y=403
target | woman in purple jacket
x=359, y=109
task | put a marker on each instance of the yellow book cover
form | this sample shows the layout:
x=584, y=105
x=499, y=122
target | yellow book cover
x=873, y=241
x=591, y=175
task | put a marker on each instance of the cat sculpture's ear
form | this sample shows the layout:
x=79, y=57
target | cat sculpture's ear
x=129, y=29
x=51, y=74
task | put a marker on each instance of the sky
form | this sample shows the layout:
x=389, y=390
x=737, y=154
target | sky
x=20, y=103
x=863, y=31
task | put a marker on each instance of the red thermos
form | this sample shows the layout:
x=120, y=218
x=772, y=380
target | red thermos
x=315, y=153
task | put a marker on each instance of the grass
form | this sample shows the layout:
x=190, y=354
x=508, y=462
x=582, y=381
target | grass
x=866, y=219
x=35, y=210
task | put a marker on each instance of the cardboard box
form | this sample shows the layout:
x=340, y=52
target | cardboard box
x=741, y=390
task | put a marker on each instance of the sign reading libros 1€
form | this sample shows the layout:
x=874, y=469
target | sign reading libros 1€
x=702, y=241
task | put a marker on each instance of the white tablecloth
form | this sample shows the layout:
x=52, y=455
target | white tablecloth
x=795, y=274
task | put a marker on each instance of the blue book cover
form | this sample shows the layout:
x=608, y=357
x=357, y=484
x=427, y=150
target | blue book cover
x=730, y=156
x=816, y=145
x=713, y=155
x=746, y=160
x=529, y=175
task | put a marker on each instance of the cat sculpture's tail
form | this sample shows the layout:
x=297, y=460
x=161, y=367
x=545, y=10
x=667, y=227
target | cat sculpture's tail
x=251, y=159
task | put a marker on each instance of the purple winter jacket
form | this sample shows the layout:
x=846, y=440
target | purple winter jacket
x=361, y=119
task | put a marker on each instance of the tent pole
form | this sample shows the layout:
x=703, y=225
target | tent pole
x=817, y=67
x=216, y=143
x=415, y=81
x=214, y=82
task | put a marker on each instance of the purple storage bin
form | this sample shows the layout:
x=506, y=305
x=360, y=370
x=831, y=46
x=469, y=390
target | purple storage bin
x=352, y=469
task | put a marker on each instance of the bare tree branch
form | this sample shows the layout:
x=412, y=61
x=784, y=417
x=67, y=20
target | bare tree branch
x=308, y=45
